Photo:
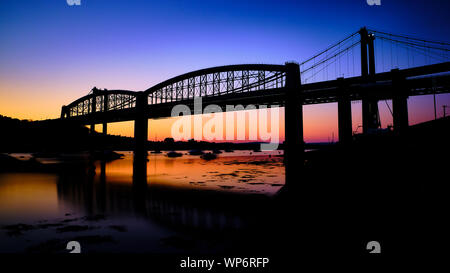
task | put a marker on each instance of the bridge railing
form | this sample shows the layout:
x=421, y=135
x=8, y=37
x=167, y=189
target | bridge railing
x=100, y=101
x=218, y=81
x=213, y=81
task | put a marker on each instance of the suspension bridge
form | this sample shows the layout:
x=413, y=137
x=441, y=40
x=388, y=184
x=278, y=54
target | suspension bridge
x=367, y=66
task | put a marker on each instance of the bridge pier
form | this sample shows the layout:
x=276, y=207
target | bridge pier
x=92, y=128
x=64, y=113
x=105, y=109
x=141, y=125
x=399, y=103
x=93, y=106
x=370, y=114
x=344, y=115
x=293, y=119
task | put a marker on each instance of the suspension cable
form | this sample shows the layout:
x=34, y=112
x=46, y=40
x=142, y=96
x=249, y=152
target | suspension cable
x=410, y=38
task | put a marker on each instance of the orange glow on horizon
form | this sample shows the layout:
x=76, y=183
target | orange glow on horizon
x=41, y=101
x=320, y=125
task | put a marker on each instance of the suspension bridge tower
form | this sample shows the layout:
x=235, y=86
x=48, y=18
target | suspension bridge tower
x=370, y=114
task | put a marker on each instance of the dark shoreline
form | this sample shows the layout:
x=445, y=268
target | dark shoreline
x=383, y=187
x=23, y=136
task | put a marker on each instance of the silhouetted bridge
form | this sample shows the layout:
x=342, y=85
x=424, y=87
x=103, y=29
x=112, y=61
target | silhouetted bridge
x=291, y=86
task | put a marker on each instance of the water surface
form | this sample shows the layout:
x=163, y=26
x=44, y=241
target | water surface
x=118, y=206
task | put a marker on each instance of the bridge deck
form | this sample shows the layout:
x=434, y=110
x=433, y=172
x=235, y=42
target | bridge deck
x=327, y=92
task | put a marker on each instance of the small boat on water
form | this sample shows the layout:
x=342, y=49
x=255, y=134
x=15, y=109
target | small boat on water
x=208, y=156
x=155, y=151
x=229, y=150
x=196, y=152
x=215, y=151
x=174, y=154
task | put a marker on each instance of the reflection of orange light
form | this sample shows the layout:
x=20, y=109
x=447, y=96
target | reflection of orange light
x=320, y=122
x=187, y=171
x=20, y=192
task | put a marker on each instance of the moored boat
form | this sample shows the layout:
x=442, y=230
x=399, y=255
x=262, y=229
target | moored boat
x=196, y=152
x=174, y=154
x=208, y=156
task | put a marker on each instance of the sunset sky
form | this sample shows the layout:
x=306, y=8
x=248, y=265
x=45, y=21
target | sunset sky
x=52, y=53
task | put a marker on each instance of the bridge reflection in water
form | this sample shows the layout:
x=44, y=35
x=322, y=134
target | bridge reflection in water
x=195, y=195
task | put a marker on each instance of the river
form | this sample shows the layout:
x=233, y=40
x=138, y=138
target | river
x=109, y=208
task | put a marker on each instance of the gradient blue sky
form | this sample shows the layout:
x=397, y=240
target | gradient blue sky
x=52, y=53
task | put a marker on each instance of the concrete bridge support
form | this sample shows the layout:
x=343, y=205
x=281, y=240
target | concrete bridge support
x=93, y=106
x=64, y=113
x=92, y=128
x=344, y=115
x=370, y=115
x=105, y=109
x=293, y=118
x=141, y=125
x=399, y=103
